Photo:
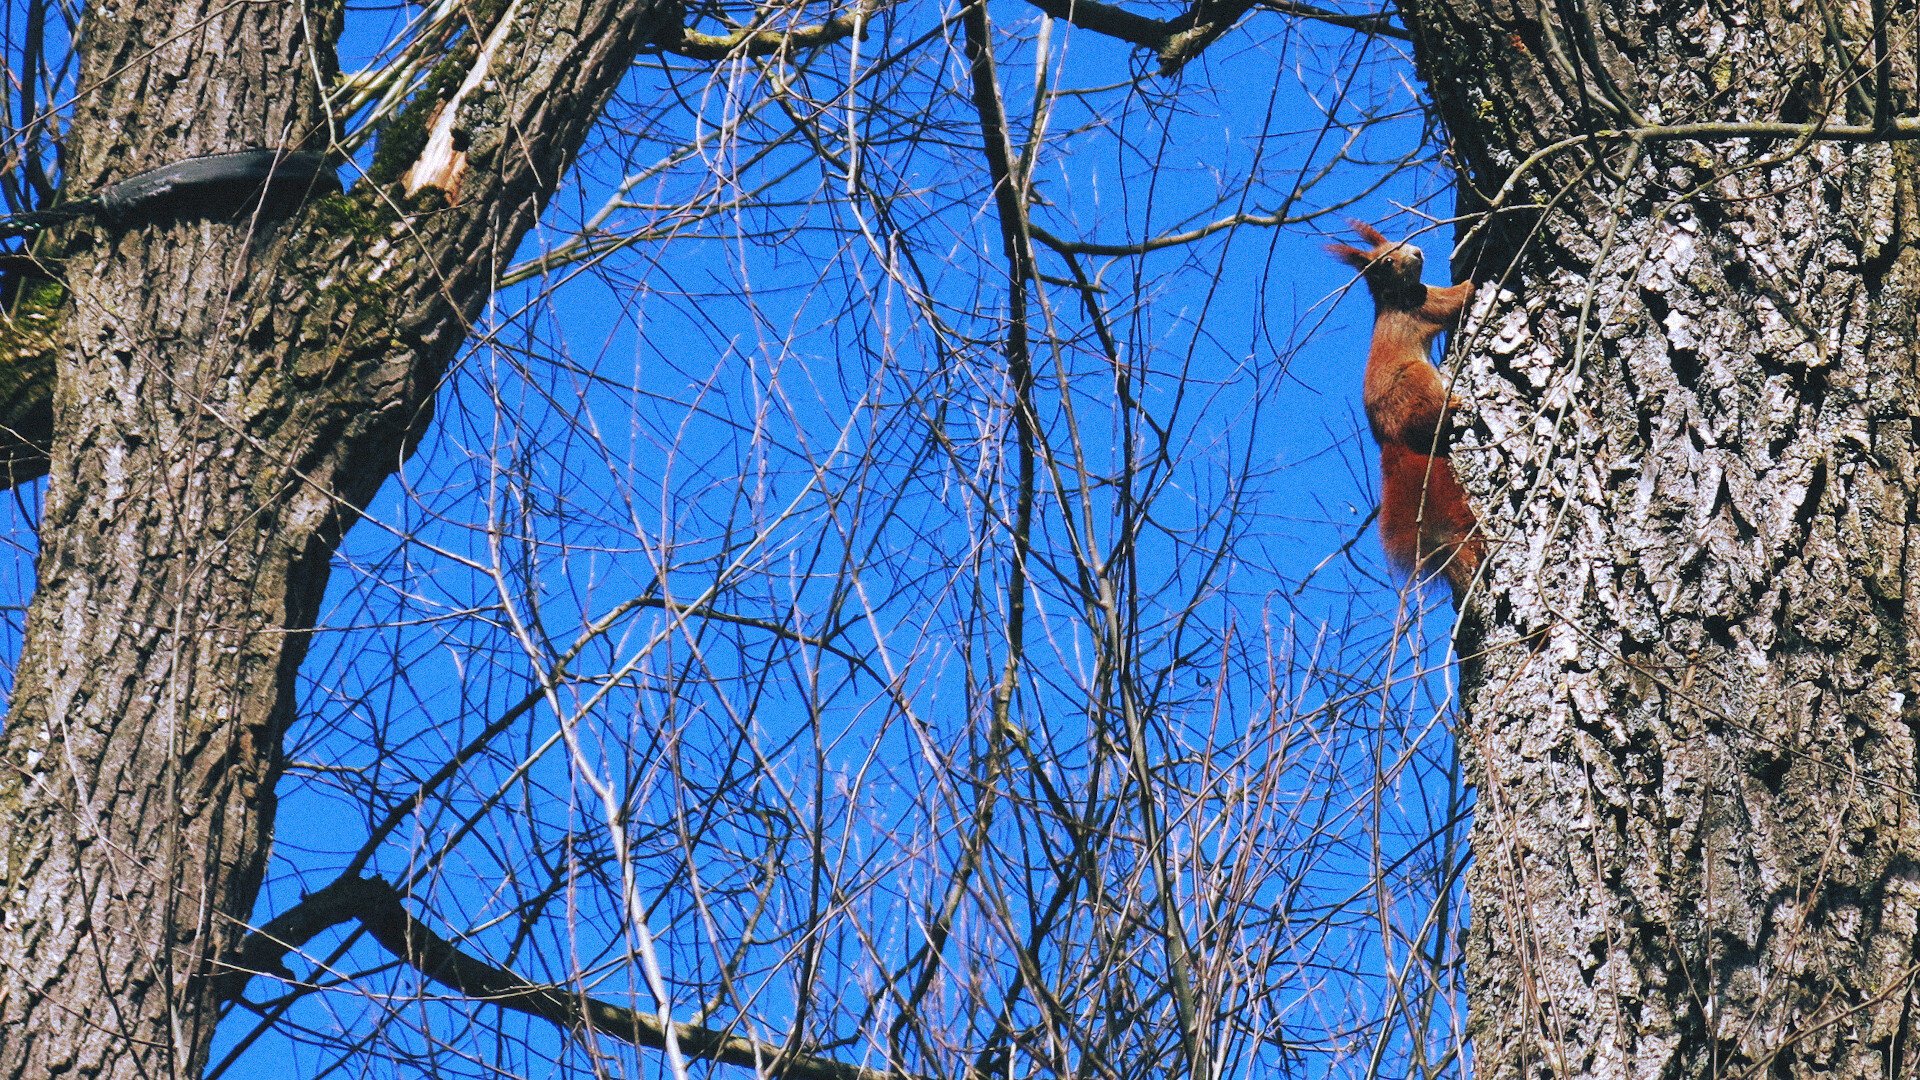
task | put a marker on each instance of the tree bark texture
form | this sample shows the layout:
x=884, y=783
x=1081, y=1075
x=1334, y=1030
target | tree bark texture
x=1690, y=701
x=232, y=390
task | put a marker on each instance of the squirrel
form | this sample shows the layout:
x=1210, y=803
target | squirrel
x=1426, y=525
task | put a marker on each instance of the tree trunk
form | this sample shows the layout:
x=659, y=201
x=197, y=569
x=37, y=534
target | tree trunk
x=233, y=392
x=1690, y=702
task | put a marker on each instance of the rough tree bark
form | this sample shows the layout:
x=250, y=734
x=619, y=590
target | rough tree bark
x=1691, y=708
x=232, y=391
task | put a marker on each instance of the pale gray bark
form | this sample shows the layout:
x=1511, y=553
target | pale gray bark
x=1690, y=703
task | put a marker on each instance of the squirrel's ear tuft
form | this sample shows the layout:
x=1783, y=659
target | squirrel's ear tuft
x=1351, y=255
x=1367, y=232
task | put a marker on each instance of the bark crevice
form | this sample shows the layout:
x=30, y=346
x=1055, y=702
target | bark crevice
x=1688, y=717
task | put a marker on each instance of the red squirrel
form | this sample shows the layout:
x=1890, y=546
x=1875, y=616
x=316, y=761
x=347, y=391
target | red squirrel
x=1425, y=522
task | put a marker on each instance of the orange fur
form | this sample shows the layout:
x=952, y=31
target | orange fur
x=1425, y=522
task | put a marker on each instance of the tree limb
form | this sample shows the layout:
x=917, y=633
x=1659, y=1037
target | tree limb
x=1178, y=40
x=746, y=41
x=1380, y=25
x=377, y=906
x=1109, y=20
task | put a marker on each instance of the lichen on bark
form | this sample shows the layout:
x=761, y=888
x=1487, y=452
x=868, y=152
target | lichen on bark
x=31, y=336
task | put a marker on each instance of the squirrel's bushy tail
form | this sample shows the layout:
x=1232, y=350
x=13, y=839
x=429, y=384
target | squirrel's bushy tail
x=1426, y=525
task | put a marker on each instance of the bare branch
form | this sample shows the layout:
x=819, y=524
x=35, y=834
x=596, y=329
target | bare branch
x=1177, y=41
x=1110, y=20
x=377, y=906
x=1380, y=25
x=746, y=41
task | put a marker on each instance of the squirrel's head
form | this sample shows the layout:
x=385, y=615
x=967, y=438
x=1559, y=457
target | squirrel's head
x=1392, y=270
